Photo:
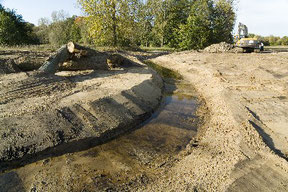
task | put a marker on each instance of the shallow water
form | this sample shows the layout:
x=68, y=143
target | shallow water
x=125, y=163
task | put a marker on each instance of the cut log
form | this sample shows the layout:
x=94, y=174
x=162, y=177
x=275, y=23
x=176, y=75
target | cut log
x=75, y=48
x=52, y=64
x=79, y=51
x=84, y=58
x=76, y=57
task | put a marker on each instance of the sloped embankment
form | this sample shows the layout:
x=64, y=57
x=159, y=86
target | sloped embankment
x=71, y=111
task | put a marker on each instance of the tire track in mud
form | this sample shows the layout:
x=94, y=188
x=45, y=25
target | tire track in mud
x=60, y=126
x=32, y=87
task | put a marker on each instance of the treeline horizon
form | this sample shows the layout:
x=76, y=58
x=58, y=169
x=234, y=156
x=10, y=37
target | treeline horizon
x=179, y=24
x=271, y=40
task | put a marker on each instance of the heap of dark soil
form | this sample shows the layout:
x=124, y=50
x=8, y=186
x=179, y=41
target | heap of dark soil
x=8, y=66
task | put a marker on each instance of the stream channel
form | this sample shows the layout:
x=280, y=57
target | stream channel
x=126, y=163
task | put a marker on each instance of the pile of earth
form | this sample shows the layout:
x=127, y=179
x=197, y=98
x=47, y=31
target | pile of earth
x=8, y=66
x=222, y=48
x=40, y=113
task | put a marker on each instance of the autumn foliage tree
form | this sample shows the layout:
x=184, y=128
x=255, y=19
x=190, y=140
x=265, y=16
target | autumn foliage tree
x=112, y=22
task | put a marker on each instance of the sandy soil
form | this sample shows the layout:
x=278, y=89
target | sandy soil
x=125, y=163
x=244, y=145
x=41, y=113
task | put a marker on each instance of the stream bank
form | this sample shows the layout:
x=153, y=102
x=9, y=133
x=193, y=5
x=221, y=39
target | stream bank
x=129, y=162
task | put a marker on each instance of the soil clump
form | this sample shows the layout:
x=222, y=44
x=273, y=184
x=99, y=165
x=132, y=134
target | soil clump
x=222, y=47
x=8, y=66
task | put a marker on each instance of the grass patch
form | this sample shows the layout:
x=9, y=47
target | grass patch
x=277, y=48
x=163, y=71
x=43, y=47
x=168, y=49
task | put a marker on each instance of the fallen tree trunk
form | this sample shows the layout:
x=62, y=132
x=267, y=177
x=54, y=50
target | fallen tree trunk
x=85, y=58
x=52, y=64
x=76, y=57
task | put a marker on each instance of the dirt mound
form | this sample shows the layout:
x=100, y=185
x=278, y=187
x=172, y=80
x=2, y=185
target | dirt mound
x=8, y=66
x=39, y=113
x=219, y=48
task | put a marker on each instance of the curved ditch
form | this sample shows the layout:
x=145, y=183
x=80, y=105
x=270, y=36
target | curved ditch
x=127, y=162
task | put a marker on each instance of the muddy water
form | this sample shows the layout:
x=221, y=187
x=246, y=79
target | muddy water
x=125, y=163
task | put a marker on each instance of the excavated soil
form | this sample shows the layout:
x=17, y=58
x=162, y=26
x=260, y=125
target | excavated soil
x=25, y=60
x=67, y=112
x=223, y=47
x=240, y=146
x=245, y=145
x=71, y=111
x=126, y=163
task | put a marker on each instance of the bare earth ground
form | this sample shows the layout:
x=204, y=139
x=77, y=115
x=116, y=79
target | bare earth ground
x=242, y=146
x=240, y=149
x=41, y=112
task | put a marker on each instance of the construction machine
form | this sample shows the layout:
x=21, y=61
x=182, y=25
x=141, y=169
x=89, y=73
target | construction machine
x=243, y=41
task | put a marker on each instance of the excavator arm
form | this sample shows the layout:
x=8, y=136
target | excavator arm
x=242, y=30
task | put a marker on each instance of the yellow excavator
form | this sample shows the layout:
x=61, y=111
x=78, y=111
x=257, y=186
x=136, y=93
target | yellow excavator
x=247, y=44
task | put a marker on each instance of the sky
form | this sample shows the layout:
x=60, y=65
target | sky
x=262, y=17
x=33, y=10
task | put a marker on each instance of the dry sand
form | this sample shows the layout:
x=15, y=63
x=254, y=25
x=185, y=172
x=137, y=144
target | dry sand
x=241, y=143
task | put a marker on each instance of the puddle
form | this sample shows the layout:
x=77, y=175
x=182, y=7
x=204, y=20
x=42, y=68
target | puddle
x=127, y=162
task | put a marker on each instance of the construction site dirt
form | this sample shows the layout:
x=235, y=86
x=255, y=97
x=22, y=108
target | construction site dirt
x=223, y=127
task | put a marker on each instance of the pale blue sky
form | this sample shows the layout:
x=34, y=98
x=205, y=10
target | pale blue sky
x=33, y=10
x=264, y=17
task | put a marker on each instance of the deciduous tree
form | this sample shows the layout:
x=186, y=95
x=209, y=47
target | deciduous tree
x=223, y=21
x=209, y=21
x=111, y=22
x=13, y=29
x=196, y=33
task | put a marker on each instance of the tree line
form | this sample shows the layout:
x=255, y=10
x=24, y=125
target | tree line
x=181, y=24
x=61, y=28
x=271, y=40
x=57, y=31
x=13, y=29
